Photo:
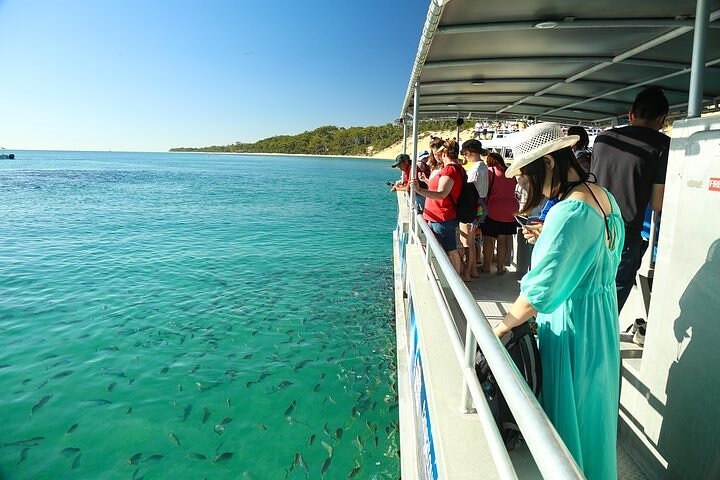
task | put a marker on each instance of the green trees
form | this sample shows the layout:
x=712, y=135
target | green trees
x=327, y=140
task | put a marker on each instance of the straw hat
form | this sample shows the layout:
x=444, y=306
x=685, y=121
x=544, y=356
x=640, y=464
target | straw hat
x=535, y=142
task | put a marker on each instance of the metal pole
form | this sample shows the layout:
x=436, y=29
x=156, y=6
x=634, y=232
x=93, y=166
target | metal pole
x=413, y=171
x=697, y=68
x=404, y=124
x=466, y=405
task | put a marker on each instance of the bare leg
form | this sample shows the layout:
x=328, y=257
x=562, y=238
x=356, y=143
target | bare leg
x=488, y=249
x=502, y=251
x=454, y=257
x=467, y=234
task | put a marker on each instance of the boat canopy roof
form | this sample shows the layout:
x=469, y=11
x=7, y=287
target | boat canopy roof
x=558, y=60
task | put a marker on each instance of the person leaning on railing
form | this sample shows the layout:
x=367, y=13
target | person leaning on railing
x=571, y=289
x=442, y=192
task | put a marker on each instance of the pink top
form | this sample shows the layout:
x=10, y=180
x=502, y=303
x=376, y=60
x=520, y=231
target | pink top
x=502, y=202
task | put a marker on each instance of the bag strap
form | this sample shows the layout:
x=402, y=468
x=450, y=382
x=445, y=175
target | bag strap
x=463, y=177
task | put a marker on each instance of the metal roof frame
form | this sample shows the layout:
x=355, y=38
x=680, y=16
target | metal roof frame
x=583, y=62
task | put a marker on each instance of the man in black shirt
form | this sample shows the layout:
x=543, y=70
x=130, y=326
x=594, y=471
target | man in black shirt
x=631, y=162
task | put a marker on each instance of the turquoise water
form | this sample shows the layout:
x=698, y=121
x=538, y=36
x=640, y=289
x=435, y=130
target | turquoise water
x=196, y=316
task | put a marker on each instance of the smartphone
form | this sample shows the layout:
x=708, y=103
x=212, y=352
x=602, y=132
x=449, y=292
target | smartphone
x=522, y=220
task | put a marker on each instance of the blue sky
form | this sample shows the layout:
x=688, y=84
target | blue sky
x=148, y=75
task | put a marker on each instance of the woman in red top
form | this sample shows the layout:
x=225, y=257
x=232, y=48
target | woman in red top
x=502, y=205
x=442, y=195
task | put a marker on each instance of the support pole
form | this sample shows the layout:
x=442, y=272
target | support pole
x=413, y=170
x=697, y=68
x=404, y=124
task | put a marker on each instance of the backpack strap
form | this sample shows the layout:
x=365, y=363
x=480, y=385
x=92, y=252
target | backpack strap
x=463, y=177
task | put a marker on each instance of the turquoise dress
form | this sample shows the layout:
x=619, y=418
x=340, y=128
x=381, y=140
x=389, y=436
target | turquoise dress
x=572, y=286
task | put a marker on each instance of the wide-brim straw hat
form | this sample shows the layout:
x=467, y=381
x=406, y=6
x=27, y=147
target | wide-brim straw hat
x=535, y=142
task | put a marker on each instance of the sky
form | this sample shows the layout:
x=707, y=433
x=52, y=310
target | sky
x=149, y=75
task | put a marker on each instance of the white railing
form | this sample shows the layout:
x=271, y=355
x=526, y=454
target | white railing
x=549, y=452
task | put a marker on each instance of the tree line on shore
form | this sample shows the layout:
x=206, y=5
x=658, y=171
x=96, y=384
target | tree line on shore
x=327, y=140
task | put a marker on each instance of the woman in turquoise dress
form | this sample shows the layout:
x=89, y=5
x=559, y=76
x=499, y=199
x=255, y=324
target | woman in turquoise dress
x=571, y=290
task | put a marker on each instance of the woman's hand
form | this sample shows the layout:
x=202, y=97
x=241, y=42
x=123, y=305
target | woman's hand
x=532, y=232
x=520, y=311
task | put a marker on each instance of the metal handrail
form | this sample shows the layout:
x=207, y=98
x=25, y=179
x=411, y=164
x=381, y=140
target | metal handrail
x=550, y=453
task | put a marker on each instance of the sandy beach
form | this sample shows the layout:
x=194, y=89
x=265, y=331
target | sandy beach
x=423, y=140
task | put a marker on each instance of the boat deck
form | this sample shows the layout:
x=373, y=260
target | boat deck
x=495, y=293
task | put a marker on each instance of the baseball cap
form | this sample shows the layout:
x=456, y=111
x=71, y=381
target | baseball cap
x=423, y=155
x=403, y=157
x=472, y=145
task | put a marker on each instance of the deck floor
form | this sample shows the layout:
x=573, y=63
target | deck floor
x=496, y=293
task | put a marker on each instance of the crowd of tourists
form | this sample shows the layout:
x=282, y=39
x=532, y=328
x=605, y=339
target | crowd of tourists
x=581, y=211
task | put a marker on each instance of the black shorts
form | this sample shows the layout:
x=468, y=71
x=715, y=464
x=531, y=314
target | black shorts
x=493, y=228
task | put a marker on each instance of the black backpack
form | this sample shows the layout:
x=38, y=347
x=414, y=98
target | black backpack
x=467, y=201
x=523, y=349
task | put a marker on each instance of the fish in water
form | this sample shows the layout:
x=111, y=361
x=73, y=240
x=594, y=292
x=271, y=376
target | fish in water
x=23, y=454
x=72, y=428
x=174, y=439
x=300, y=462
x=311, y=440
x=197, y=456
x=223, y=457
x=40, y=404
x=30, y=442
x=62, y=374
x=152, y=458
x=99, y=401
x=69, y=451
x=325, y=466
x=205, y=415
x=300, y=365
x=111, y=386
x=339, y=433
x=327, y=447
x=226, y=421
x=76, y=462
x=128, y=410
x=290, y=409
x=135, y=459
x=164, y=369
x=186, y=412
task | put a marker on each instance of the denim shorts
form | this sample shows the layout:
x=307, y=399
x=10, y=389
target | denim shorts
x=446, y=233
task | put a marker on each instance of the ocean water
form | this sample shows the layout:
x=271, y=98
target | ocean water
x=192, y=316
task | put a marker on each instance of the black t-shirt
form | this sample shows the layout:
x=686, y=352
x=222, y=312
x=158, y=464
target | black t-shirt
x=628, y=161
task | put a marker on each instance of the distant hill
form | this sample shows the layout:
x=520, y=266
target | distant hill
x=328, y=140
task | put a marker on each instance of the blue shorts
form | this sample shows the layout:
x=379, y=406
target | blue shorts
x=446, y=233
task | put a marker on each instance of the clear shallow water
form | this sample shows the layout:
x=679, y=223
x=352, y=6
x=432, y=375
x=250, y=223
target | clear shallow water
x=192, y=316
